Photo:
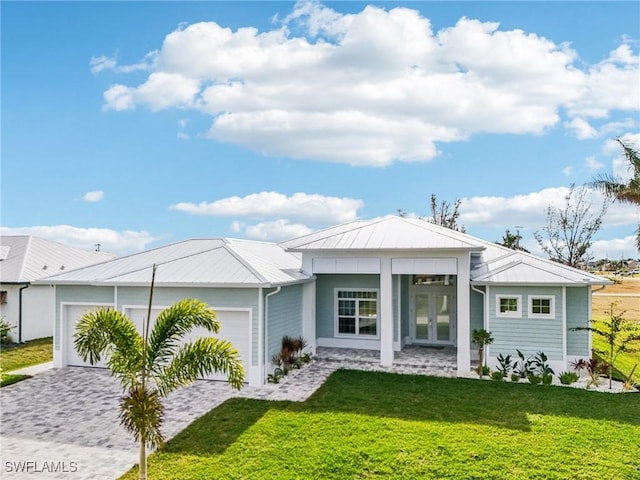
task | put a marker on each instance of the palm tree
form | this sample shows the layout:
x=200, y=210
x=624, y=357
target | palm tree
x=616, y=188
x=152, y=365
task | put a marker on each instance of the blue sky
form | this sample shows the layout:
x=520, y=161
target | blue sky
x=135, y=124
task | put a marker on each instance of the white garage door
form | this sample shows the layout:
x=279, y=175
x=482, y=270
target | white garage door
x=70, y=316
x=235, y=328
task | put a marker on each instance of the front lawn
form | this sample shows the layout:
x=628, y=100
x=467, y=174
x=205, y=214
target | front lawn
x=29, y=353
x=378, y=425
x=13, y=357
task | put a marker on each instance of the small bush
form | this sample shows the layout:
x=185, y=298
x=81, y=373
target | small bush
x=486, y=370
x=5, y=331
x=534, y=379
x=547, y=379
x=515, y=377
x=497, y=376
x=567, y=378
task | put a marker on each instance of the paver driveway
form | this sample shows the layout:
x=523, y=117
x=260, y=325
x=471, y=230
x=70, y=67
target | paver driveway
x=67, y=420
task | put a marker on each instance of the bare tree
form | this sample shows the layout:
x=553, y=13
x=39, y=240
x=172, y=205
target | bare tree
x=445, y=214
x=569, y=231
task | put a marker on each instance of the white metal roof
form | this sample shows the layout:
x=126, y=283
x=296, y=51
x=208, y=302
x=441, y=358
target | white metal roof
x=386, y=233
x=501, y=265
x=198, y=262
x=26, y=258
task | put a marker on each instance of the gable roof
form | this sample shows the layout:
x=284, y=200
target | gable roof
x=24, y=258
x=386, y=233
x=197, y=262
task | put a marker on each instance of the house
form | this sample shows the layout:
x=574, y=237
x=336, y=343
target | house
x=23, y=260
x=378, y=285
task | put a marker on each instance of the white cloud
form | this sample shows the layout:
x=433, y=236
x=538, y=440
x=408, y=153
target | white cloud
x=592, y=164
x=102, y=62
x=567, y=171
x=119, y=242
x=377, y=86
x=615, y=248
x=581, y=128
x=529, y=210
x=620, y=165
x=276, y=230
x=312, y=208
x=94, y=196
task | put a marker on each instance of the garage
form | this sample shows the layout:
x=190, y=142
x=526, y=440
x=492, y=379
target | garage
x=235, y=328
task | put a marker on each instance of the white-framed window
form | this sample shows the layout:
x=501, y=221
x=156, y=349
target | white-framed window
x=356, y=312
x=509, y=306
x=542, y=306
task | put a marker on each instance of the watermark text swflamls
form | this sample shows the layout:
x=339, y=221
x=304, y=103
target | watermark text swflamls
x=33, y=466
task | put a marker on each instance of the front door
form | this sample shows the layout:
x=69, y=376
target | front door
x=433, y=315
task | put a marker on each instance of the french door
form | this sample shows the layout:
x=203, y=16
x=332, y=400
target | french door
x=433, y=315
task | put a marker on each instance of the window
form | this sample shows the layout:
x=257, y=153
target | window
x=357, y=312
x=542, y=306
x=3, y=297
x=508, y=305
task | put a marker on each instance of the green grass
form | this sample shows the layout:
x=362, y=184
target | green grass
x=361, y=425
x=11, y=378
x=30, y=353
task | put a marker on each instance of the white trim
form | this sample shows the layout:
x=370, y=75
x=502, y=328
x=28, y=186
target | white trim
x=398, y=315
x=487, y=317
x=589, y=318
x=552, y=306
x=509, y=314
x=262, y=337
x=336, y=315
x=345, y=265
x=349, y=343
x=564, y=325
x=424, y=266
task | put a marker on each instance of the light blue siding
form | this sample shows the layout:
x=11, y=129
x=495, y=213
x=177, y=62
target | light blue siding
x=578, y=316
x=476, y=313
x=325, y=291
x=79, y=294
x=284, y=317
x=529, y=335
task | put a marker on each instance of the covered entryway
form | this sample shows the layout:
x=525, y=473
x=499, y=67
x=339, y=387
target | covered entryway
x=235, y=328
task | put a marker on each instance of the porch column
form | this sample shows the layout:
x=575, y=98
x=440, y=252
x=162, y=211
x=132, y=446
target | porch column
x=386, y=313
x=309, y=315
x=463, y=336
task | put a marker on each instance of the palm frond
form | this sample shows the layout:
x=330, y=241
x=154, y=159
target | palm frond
x=142, y=415
x=200, y=358
x=171, y=326
x=107, y=333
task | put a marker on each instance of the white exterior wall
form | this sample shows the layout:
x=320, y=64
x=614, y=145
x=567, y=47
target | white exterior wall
x=37, y=310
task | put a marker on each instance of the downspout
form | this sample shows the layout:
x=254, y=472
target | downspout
x=20, y=311
x=266, y=323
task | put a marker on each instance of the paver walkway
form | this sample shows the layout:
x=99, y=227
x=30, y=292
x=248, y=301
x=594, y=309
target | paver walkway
x=65, y=421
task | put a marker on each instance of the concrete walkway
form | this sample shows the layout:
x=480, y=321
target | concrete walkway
x=63, y=423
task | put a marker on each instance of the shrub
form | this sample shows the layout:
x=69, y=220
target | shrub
x=497, y=376
x=547, y=379
x=486, y=370
x=534, y=379
x=567, y=378
x=524, y=367
x=515, y=377
x=5, y=331
x=593, y=367
x=506, y=364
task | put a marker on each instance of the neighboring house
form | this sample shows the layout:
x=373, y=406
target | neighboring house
x=379, y=284
x=23, y=260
